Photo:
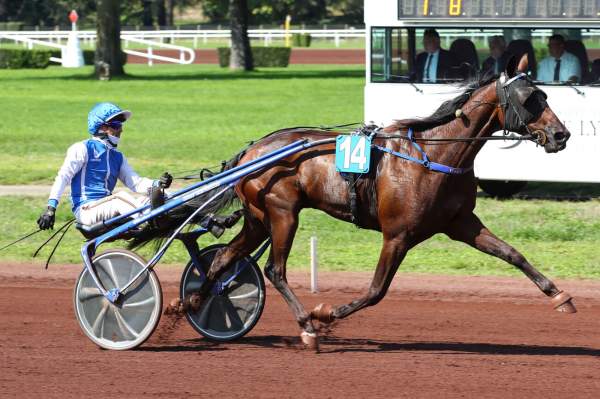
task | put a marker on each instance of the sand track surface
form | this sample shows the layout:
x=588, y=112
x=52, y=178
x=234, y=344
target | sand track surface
x=432, y=336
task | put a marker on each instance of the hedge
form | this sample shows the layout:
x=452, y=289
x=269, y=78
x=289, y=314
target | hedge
x=11, y=25
x=301, y=40
x=18, y=58
x=22, y=58
x=263, y=56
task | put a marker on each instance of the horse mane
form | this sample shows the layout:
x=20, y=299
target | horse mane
x=446, y=112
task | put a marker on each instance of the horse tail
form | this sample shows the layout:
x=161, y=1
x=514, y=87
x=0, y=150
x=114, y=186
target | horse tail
x=157, y=234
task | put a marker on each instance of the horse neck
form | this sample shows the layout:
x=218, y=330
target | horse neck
x=479, y=120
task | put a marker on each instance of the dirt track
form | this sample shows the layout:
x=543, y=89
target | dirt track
x=431, y=337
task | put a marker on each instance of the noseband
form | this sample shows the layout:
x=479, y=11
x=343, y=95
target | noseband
x=516, y=116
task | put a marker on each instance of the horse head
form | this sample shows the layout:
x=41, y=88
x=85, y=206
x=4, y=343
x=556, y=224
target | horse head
x=524, y=110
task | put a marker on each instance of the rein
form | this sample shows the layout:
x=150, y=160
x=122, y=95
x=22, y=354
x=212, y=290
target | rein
x=424, y=160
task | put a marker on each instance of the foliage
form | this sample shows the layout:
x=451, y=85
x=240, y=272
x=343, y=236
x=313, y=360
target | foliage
x=10, y=26
x=146, y=12
x=18, y=59
x=301, y=11
x=263, y=56
x=48, y=12
x=301, y=40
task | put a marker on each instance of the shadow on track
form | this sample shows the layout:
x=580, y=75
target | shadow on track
x=332, y=344
x=474, y=348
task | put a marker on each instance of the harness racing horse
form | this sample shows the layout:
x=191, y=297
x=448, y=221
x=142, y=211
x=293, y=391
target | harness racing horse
x=406, y=202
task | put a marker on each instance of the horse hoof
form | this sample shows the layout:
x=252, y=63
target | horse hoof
x=310, y=340
x=323, y=313
x=173, y=307
x=562, y=302
x=192, y=302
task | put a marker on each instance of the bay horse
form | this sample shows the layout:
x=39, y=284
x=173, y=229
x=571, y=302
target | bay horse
x=405, y=201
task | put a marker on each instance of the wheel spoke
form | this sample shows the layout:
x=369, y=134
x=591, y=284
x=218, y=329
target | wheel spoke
x=205, y=312
x=193, y=286
x=125, y=328
x=243, y=296
x=111, y=272
x=99, y=322
x=139, y=304
x=88, y=293
x=232, y=318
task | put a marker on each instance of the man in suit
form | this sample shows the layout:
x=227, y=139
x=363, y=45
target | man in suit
x=434, y=64
x=560, y=66
x=496, y=62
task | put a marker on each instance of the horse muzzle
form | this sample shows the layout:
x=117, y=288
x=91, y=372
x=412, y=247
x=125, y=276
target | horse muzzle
x=554, y=141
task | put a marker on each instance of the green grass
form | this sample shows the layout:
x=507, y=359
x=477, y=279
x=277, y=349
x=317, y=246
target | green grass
x=190, y=117
x=560, y=238
x=184, y=117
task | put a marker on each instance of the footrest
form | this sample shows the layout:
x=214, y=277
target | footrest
x=91, y=231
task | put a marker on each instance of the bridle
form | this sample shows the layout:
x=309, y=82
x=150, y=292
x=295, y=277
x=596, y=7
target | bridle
x=516, y=116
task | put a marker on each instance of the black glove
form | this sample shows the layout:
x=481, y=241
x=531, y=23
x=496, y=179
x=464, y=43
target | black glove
x=165, y=180
x=46, y=219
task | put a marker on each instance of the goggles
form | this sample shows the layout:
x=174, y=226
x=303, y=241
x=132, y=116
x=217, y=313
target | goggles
x=116, y=125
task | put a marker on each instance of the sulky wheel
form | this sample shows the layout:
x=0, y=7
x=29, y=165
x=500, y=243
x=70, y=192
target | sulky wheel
x=129, y=321
x=235, y=310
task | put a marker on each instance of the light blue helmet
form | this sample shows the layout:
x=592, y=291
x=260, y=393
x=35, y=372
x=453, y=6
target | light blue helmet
x=103, y=113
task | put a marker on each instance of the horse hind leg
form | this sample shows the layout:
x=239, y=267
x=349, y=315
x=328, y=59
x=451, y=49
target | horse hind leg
x=283, y=229
x=253, y=234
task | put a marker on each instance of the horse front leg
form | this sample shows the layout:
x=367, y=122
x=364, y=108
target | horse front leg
x=469, y=229
x=393, y=252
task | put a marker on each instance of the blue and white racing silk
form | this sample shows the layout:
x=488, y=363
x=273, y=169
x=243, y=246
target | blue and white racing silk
x=92, y=167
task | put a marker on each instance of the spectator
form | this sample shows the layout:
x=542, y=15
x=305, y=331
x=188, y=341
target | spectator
x=435, y=63
x=560, y=66
x=498, y=58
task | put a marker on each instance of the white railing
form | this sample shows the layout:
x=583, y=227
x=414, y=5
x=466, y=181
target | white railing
x=149, y=54
x=266, y=35
x=29, y=42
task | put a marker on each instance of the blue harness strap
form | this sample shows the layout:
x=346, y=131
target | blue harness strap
x=424, y=160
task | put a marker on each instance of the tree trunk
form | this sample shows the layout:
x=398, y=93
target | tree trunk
x=147, y=18
x=170, y=12
x=109, y=58
x=161, y=13
x=241, y=54
x=3, y=11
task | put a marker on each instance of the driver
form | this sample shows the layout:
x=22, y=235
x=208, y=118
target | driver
x=93, y=166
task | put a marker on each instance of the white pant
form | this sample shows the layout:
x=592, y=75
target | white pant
x=109, y=207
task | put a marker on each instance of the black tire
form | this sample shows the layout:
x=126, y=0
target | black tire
x=216, y=323
x=502, y=188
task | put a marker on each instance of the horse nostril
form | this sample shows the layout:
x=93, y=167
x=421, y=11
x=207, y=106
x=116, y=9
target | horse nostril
x=561, y=137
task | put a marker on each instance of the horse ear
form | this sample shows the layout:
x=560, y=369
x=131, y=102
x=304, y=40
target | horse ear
x=511, y=66
x=523, y=64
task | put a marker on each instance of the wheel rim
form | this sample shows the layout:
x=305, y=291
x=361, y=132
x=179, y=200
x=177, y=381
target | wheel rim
x=236, y=310
x=127, y=323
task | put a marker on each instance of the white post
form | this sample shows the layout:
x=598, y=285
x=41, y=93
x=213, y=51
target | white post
x=337, y=39
x=149, y=55
x=313, y=265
